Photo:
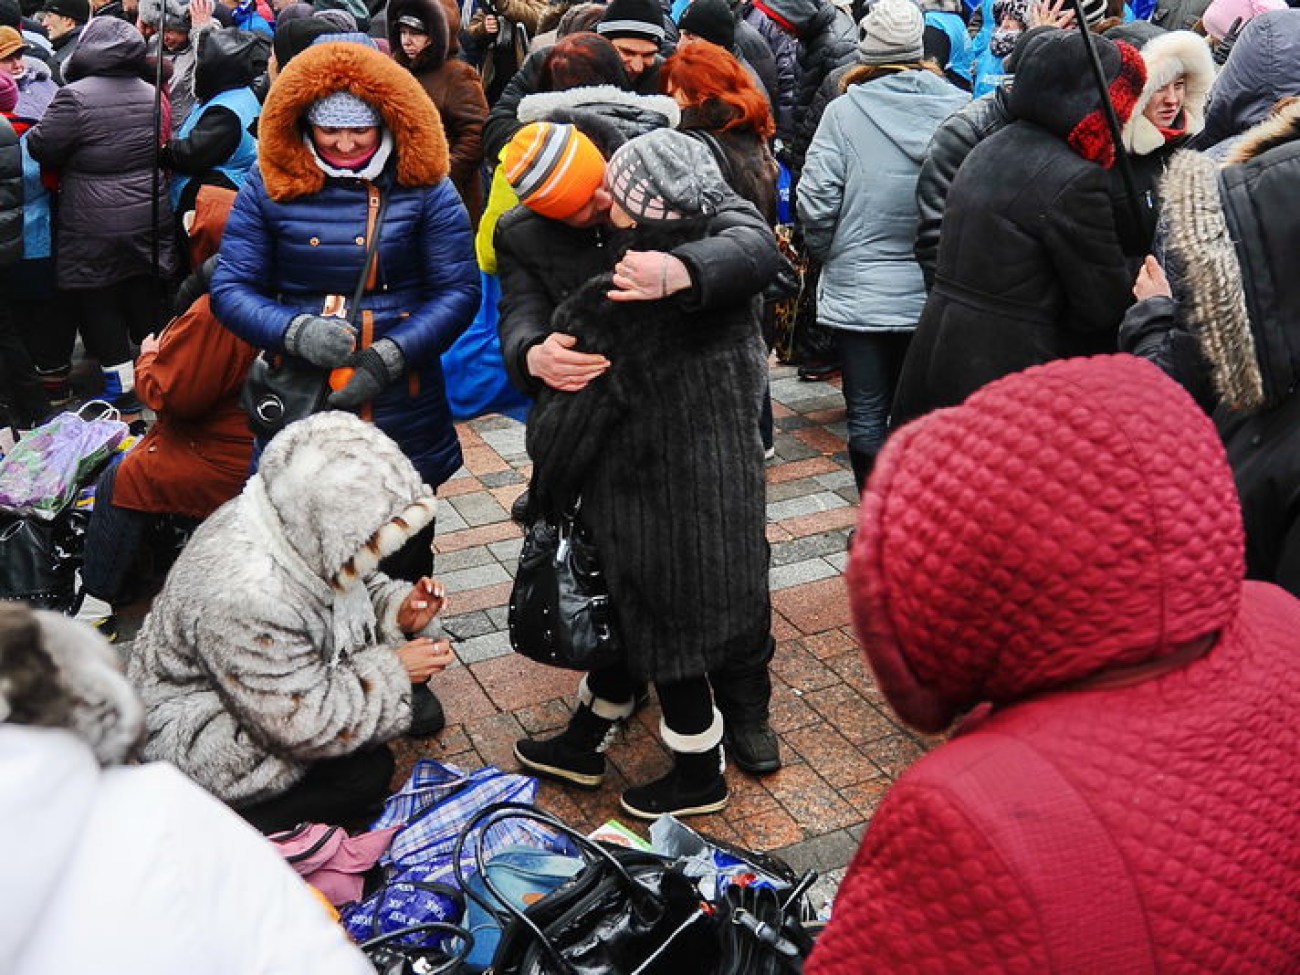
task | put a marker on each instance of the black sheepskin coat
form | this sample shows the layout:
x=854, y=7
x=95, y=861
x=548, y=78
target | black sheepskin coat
x=664, y=451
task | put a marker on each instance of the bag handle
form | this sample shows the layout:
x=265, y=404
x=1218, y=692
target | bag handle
x=496, y=813
x=377, y=206
x=107, y=411
x=453, y=960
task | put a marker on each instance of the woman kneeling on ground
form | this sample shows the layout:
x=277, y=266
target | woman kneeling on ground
x=278, y=659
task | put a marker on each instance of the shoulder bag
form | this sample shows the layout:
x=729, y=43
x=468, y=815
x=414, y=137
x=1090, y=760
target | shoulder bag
x=283, y=388
x=559, y=611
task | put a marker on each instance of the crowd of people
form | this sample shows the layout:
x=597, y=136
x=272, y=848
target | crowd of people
x=1045, y=244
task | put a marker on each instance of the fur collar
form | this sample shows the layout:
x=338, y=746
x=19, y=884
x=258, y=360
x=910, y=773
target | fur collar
x=1277, y=130
x=287, y=167
x=542, y=105
x=1179, y=52
x=1211, y=290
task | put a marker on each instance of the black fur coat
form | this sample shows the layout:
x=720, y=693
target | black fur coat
x=664, y=451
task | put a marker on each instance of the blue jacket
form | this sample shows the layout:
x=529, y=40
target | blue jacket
x=280, y=259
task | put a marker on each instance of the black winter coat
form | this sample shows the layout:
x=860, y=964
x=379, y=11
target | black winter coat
x=542, y=261
x=949, y=147
x=11, y=195
x=1030, y=270
x=1030, y=264
x=665, y=454
x=99, y=130
x=828, y=41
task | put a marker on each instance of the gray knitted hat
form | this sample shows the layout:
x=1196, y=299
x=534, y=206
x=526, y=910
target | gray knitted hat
x=891, y=33
x=343, y=110
x=665, y=176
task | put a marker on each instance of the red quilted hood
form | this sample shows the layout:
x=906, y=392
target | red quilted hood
x=1074, y=518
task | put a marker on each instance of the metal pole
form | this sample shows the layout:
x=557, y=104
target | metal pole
x=1108, y=109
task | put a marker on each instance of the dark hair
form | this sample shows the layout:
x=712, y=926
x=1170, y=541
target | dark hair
x=581, y=59
x=11, y=15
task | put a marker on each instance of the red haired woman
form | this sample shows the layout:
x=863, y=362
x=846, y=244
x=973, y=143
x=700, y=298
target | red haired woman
x=723, y=107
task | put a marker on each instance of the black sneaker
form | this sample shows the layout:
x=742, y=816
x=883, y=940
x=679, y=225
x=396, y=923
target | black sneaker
x=427, y=716
x=754, y=748
x=676, y=795
x=556, y=758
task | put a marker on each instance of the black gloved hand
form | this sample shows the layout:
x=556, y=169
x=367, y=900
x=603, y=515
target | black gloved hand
x=376, y=368
x=324, y=342
x=1224, y=47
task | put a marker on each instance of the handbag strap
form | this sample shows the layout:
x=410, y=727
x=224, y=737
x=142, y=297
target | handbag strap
x=454, y=958
x=376, y=207
x=498, y=812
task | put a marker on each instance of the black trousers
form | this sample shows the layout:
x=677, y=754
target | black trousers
x=346, y=791
x=21, y=395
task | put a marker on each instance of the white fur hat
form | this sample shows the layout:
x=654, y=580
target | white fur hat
x=1167, y=56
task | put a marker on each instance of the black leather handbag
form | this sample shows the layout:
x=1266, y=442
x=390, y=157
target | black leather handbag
x=626, y=911
x=281, y=389
x=559, y=612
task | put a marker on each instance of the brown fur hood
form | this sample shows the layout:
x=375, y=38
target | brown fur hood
x=1278, y=129
x=286, y=164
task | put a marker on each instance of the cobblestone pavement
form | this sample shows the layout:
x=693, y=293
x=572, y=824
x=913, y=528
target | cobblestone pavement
x=841, y=745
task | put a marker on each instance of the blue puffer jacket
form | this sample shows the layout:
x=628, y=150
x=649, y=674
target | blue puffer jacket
x=279, y=259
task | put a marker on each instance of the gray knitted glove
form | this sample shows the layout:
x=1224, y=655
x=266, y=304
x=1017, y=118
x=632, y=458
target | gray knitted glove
x=324, y=342
x=376, y=367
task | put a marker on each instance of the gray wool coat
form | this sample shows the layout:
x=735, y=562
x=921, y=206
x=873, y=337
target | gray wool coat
x=243, y=679
x=99, y=131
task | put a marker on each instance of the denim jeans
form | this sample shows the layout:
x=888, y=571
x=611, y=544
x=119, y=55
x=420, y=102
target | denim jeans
x=872, y=362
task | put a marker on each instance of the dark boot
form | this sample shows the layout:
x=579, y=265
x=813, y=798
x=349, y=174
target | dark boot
x=863, y=462
x=427, y=716
x=577, y=754
x=696, y=784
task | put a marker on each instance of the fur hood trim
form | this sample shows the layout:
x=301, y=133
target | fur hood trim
x=287, y=167
x=1277, y=130
x=1179, y=52
x=542, y=105
x=386, y=541
x=1212, y=297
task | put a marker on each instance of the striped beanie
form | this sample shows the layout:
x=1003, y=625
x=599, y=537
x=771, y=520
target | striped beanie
x=553, y=168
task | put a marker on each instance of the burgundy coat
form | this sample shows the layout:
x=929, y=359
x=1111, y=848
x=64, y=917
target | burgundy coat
x=1067, y=548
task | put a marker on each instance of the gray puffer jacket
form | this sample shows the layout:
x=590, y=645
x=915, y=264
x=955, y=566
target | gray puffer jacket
x=1263, y=67
x=857, y=198
x=272, y=644
x=99, y=131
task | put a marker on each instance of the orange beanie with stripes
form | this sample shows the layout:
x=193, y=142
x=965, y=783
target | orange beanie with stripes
x=553, y=168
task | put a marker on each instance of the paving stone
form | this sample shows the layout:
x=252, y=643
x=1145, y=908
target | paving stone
x=829, y=752
x=815, y=606
x=452, y=541
x=776, y=473
x=474, y=578
x=800, y=669
x=806, y=505
x=498, y=616
x=838, y=560
x=548, y=716
x=485, y=647
x=482, y=459
x=507, y=441
x=487, y=598
x=466, y=558
x=833, y=643
x=449, y=519
x=513, y=681
x=479, y=509
x=493, y=421
x=864, y=798
x=822, y=893
x=497, y=479
x=810, y=800
x=792, y=422
x=462, y=697
x=854, y=718
x=788, y=709
x=788, y=449
x=836, y=479
x=821, y=439
x=467, y=626
x=465, y=484
x=798, y=573
x=825, y=853
x=494, y=738
x=769, y=830
x=827, y=398
x=506, y=551
x=828, y=417
x=793, y=489
x=810, y=546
